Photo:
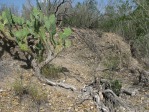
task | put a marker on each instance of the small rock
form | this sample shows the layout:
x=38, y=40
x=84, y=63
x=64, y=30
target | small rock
x=1, y=90
x=134, y=92
x=92, y=107
x=69, y=108
x=147, y=95
x=76, y=109
x=44, y=84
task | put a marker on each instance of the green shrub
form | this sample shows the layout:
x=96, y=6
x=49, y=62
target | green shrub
x=116, y=86
x=51, y=71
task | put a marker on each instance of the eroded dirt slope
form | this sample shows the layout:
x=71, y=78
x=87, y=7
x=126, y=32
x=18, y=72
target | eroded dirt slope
x=107, y=55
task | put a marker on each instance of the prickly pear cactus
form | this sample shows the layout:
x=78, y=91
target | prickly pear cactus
x=41, y=28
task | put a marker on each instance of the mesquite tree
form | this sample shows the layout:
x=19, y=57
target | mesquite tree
x=38, y=38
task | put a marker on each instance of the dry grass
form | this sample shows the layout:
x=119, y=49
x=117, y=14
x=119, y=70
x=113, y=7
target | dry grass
x=32, y=90
x=37, y=94
x=51, y=71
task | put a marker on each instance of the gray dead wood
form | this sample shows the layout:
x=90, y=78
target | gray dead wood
x=47, y=81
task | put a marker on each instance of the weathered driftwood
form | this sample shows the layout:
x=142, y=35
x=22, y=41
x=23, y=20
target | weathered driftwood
x=131, y=92
x=95, y=92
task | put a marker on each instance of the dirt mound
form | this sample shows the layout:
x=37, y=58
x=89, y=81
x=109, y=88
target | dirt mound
x=115, y=61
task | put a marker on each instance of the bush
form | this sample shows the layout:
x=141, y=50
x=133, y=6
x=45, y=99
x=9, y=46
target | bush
x=116, y=86
x=84, y=15
x=51, y=71
x=130, y=20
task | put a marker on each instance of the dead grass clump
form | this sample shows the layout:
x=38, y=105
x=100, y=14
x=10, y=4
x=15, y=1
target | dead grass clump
x=30, y=89
x=18, y=87
x=37, y=94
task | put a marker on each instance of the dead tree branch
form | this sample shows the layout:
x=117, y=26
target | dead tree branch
x=47, y=81
x=57, y=8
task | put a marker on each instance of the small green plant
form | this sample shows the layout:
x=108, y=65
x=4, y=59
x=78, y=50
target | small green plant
x=116, y=86
x=51, y=71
